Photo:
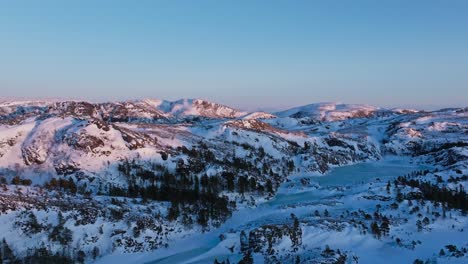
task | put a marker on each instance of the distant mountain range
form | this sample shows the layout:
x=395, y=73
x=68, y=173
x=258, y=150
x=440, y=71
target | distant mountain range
x=82, y=180
x=183, y=108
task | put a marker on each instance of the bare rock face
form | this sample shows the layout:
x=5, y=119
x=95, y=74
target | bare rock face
x=15, y=114
x=135, y=140
x=66, y=167
x=34, y=155
x=189, y=108
x=84, y=142
x=81, y=110
x=103, y=125
x=255, y=125
x=130, y=112
x=6, y=144
x=210, y=109
x=35, y=149
x=335, y=142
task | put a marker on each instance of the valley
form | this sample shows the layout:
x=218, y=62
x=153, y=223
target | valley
x=191, y=181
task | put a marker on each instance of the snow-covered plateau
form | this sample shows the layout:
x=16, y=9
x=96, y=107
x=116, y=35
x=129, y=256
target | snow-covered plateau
x=191, y=181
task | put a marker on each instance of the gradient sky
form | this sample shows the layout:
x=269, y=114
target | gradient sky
x=249, y=54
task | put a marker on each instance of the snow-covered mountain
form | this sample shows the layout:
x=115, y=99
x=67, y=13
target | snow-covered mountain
x=329, y=111
x=194, y=108
x=84, y=182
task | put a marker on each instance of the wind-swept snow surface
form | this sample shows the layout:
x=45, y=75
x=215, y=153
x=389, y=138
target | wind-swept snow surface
x=191, y=181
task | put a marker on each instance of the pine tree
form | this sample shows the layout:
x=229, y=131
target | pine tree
x=229, y=177
x=34, y=226
x=72, y=186
x=173, y=212
x=16, y=180
x=203, y=217
x=81, y=256
x=96, y=253
x=306, y=146
x=298, y=260
x=419, y=225
x=252, y=184
x=8, y=254
x=244, y=241
x=61, y=220
x=247, y=258
x=269, y=186
x=376, y=230
x=385, y=228
x=426, y=221
x=296, y=233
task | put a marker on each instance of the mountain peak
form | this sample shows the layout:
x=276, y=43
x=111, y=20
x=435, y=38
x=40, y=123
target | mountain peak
x=329, y=111
x=196, y=107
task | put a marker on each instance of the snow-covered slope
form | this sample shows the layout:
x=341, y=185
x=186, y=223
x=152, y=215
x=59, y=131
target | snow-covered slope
x=259, y=115
x=194, y=107
x=329, y=111
x=151, y=175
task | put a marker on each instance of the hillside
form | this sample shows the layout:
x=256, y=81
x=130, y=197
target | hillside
x=85, y=182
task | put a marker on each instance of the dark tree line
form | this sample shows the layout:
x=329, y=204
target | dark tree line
x=62, y=184
x=36, y=256
x=190, y=190
x=457, y=199
x=380, y=230
x=19, y=181
x=187, y=193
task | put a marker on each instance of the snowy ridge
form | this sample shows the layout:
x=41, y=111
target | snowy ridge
x=153, y=176
x=194, y=107
x=329, y=111
x=259, y=115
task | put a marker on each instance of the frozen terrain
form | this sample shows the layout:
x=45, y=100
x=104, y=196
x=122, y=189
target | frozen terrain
x=338, y=191
x=191, y=181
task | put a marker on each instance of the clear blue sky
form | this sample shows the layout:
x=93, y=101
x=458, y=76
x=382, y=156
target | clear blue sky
x=250, y=54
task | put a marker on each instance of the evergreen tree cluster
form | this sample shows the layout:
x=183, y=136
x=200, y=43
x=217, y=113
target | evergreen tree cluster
x=19, y=181
x=28, y=223
x=190, y=190
x=187, y=193
x=35, y=256
x=457, y=199
x=296, y=233
x=380, y=230
x=44, y=256
x=60, y=233
x=62, y=185
x=6, y=254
